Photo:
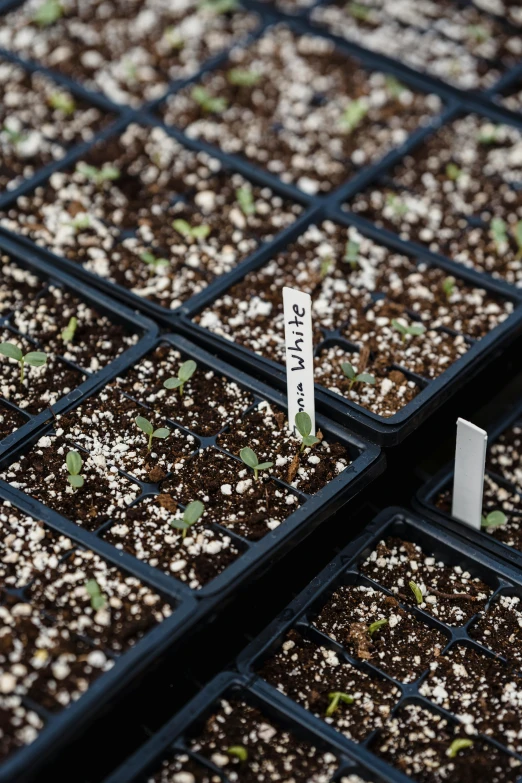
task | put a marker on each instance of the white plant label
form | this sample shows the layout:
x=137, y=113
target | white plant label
x=470, y=463
x=299, y=355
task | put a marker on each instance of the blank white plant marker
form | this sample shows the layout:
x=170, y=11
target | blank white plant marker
x=470, y=464
x=299, y=355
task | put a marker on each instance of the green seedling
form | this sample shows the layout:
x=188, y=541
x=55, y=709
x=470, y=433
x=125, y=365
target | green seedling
x=478, y=33
x=351, y=253
x=98, y=600
x=131, y=72
x=74, y=465
x=190, y=232
x=448, y=286
x=336, y=698
x=145, y=426
x=358, y=11
x=192, y=513
x=326, y=264
x=417, y=593
x=246, y=201
x=70, y=330
x=414, y=330
x=303, y=425
x=208, y=102
x=185, y=373
x=33, y=358
x=174, y=39
x=517, y=233
x=376, y=626
x=219, y=6
x=240, y=77
x=353, y=377
x=107, y=173
x=80, y=223
x=153, y=262
x=15, y=136
x=394, y=87
x=458, y=745
x=488, y=135
x=239, y=752
x=48, y=13
x=250, y=459
x=493, y=519
x=398, y=208
x=498, y=228
x=62, y=102
x=453, y=172
x=353, y=115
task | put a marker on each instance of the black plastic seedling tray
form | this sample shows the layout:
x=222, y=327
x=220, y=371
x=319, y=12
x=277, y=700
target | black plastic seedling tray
x=367, y=463
x=115, y=312
x=426, y=497
x=343, y=570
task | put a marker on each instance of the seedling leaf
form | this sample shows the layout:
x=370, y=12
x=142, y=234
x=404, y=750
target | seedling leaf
x=238, y=751
x=353, y=115
x=144, y=425
x=193, y=512
x=209, y=103
x=303, y=423
x=335, y=698
x=458, y=745
x=172, y=383
x=376, y=626
x=494, y=519
x=162, y=432
x=246, y=201
x=74, y=463
x=249, y=457
x=70, y=330
x=98, y=600
x=48, y=13
x=241, y=77
x=187, y=370
x=63, y=102
x=12, y=351
x=351, y=253
x=76, y=481
x=35, y=358
x=348, y=370
x=417, y=593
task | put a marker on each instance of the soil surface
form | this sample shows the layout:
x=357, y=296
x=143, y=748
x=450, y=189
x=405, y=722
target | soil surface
x=305, y=111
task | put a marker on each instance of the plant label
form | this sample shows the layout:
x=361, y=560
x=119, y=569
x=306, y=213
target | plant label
x=299, y=354
x=470, y=462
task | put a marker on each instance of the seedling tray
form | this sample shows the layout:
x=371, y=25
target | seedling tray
x=343, y=570
x=196, y=605
x=425, y=500
x=116, y=312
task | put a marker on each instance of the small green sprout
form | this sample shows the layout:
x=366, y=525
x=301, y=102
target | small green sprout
x=173, y=38
x=303, y=425
x=131, y=72
x=353, y=377
x=250, y=459
x=358, y=11
x=351, y=253
x=240, y=77
x=453, y=172
x=238, y=751
x=80, y=223
x=517, y=233
x=417, y=593
x=353, y=115
x=70, y=330
x=185, y=373
x=395, y=87
x=190, y=232
x=63, y=102
x=74, y=465
x=458, y=745
x=107, y=173
x=192, y=513
x=153, y=262
x=145, y=426
x=246, y=201
x=478, y=33
x=48, y=13
x=98, y=600
x=488, y=134
x=336, y=698
x=219, y=6
x=15, y=136
x=398, y=208
x=208, y=102
x=498, y=228
x=448, y=286
x=493, y=519
x=33, y=358
x=326, y=264
x=376, y=626
x=414, y=330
